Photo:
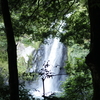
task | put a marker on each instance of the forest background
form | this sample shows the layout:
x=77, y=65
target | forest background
x=38, y=19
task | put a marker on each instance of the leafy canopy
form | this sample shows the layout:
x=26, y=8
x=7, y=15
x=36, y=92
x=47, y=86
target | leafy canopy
x=78, y=85
x=39, y=17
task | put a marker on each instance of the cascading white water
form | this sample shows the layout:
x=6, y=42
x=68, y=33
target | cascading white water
x=53, y=52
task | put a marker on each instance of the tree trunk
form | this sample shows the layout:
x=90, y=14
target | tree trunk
x=11, y=49
x=92, y=58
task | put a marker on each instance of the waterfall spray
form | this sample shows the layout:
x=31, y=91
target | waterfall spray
x=45, y=73
x=48, y=63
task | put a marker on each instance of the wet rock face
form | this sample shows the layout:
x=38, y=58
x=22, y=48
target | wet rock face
x=23, y=51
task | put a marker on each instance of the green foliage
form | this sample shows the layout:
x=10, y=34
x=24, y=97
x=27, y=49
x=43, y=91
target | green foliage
x=22, y=70
x=39, y=17
x=3, y=56
x=28, y=76
x=22, y=66
x=24, y=93
x=78, y=85
x=42, y=18
x=4, y=70
x=5, y=93
x=77, y=51
x=27, y=40
x=77, y=26
x=3, y=47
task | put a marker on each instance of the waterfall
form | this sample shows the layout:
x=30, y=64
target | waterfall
x=53, y=53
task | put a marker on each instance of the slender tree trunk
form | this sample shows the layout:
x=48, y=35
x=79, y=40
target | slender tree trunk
x=11, y=49
x=43, y=87
x=92, y=58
